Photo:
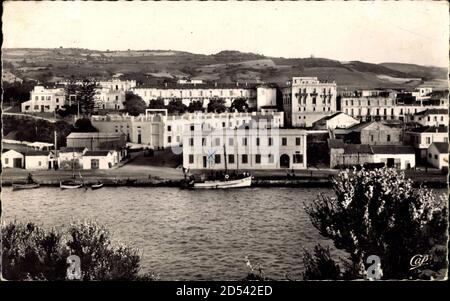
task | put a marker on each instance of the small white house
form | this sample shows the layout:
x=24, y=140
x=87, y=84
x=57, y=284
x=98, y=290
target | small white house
x=101, y=159
x=12, y=159
x=39, y=160
x=394, y=156
x=438, y=155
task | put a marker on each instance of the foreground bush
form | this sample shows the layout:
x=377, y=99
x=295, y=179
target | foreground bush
x=378, y=212
x=32, y=253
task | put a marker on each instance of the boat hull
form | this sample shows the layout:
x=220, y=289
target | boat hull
x=96, y=186
x=239, y=183
x=70, y=186
x=25, y=186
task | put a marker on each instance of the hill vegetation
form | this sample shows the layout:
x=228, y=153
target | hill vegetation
x=151, y=66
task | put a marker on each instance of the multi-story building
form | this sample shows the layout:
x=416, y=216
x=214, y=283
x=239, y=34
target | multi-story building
x=109, y=99
x=118, y=85
x=374, y=133
x=245, y=148
x=204, y=92
x=161, y=131
x=431, y=117
x=421, y=138
x=306, y=99
x=44, y=99
x=368, y=105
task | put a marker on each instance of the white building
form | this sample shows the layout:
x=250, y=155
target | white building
x=12, y=159
x=117, y=85
x=39, y=160
x=204, y=92
x=336, y=120
x=102, y=159
x=396, y=156
x=160, y=130
x=266, y=98
x=306, y=100
x=422, y=138
x=108, y=99
x=245, y=148
x=431, y=117
x=44, y=99
x=438, y=155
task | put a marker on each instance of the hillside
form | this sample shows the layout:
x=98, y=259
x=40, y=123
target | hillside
x=226, y=66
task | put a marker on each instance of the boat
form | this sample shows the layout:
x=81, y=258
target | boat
x=226, y=183
x=25, y=186
x=97, y=186
x=70, y=185
x=225, y=180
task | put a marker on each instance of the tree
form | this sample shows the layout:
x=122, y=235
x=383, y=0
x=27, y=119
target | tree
x=86, y=96
x=134, y=104
x=30, y=252
x=195, y=106
x=157, y=104
x=378, y=212
x=176, y=106
x=17, y=92
x=239, y=104
x=84, y=125
x=216, y=105
x=70, y=90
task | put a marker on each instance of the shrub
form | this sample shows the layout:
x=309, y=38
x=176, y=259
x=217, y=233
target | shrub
x=32, y=253
x=320, y=265
x=378, y=212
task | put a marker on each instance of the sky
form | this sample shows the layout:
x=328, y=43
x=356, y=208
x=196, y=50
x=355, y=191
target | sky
x=414, y=32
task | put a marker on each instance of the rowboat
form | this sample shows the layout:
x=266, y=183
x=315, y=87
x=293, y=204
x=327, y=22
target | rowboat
x=25, y=186
x=223, y=184
x=96, y=186
x=70, y=185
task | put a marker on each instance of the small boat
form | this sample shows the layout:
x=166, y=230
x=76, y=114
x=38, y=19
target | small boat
x=96, y=186
x=226, y=183
x=70, y=185
x=25, y=186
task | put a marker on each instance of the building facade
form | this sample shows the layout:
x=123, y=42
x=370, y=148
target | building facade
x=431, y=117
x=245, y=148
x=12, y=159
x=44, y=99
x=306, y=100
x=438, y=155
x=336, y=120
x=421, y=138
x=161, y=131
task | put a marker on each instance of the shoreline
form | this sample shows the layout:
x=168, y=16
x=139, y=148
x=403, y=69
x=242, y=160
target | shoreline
x=287, y=183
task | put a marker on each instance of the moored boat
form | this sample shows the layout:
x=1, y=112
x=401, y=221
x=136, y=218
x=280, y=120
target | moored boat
x=96, y=186
x=25, y=186
x=225, y=183
x=70, y=185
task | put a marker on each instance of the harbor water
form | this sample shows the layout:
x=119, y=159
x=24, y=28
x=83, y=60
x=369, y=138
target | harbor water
x=187, y=235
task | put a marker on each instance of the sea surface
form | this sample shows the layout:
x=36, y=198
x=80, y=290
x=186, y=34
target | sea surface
x=184, y=234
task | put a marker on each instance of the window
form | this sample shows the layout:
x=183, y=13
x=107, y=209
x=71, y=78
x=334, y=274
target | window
x=429, y=156
x=230, y=141
x=388, y=138
x=257, y=141
x=217, y=141
x=6, y=161
x=203, y=141
x=169, y=128
x=435, y=157
x=270, y=141
x=371, y=138
x=428, y=140
x=192, y=128
x=169, y=139
x=191, y=159
x=314, y=101
x=298, y=158
x=39, y=163
x=244, y=141
x=217, y=159
x=258, y=159
x=191, y=141
x=244, y=159
x=284, y=141
x=271, y=158
x=231, y=159
x=297, y=140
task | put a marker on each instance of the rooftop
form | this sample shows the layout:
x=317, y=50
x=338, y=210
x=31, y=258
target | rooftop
x=392, y=149
x=433, y=111
x=442, y=147
x=94, y=135
x=72, y=149
x=37, y=153
x=98, y=153
x=199, y=86
x=430, y=129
